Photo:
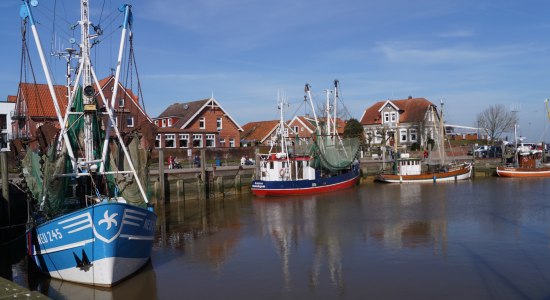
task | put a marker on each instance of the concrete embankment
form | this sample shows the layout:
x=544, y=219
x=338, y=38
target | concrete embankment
x=11, y=290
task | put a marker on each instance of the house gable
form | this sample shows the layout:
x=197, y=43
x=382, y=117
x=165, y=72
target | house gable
x=410, y=111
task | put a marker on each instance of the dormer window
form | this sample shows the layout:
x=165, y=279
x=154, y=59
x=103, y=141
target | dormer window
x=393, y=116
x=169, y=122
x=386, y=117
x=163, y=123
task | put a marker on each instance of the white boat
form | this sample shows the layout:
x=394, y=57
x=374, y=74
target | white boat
x=91, y=220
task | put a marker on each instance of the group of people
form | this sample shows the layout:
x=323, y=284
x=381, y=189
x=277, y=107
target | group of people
x=172, y=163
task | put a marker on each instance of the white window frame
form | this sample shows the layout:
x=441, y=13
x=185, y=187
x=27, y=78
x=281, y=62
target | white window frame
x=413, y=135
x=219, y=123
x=131, y=119
x=393, y=117
x=121, y=102
x=222, y=142
x=202, y=123
x=232, y=143
x=163, y=122
x=296, y=129
x=170, y=138
x=386, y=117
x=158, y=139
x=198, y=137
x=184, y=137
x=169, y=122
x=212, y=139
x=112, y=125
x=403, y=135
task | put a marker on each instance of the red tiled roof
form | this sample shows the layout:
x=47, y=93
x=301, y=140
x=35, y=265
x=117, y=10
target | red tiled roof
x=183, y=111
x=12, y=99
x=39, y=100
x=410, y=110
x=257, y=131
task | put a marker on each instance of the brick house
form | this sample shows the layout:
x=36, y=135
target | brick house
x=197, y=124
x=302, y=128
x=259, y=133
x=34, y=107
x=405, y=122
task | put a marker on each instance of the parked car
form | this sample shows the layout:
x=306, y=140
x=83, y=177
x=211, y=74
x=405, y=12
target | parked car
x=481, y=151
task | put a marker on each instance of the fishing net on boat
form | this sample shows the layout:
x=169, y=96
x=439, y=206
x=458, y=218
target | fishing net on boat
x=334, y=153
x=126, y=184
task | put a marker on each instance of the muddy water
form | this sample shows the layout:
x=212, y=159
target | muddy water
x=482, y=239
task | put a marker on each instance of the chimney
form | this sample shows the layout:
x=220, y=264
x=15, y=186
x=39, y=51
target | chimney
x=410, y=97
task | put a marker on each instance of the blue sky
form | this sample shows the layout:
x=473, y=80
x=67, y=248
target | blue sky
x=470, y=53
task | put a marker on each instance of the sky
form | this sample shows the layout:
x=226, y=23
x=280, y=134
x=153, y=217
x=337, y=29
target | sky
x=470, y=54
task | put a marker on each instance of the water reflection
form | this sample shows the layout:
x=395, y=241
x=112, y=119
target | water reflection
x=141, y=285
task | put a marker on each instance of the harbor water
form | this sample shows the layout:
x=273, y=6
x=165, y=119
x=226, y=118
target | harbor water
x=488, y=238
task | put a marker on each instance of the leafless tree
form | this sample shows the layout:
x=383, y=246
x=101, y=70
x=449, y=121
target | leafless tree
x=495, y=120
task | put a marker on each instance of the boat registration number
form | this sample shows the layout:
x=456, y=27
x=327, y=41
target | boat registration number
x=49, y=236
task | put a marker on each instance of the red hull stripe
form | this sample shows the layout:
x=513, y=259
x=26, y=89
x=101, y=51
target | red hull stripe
x=306, y=191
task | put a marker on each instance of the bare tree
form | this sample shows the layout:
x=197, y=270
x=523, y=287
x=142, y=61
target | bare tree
x=495, y=120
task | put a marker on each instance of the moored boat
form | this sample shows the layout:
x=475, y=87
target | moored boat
x=409, y=170
x=328, y=164
x=90, y=219
x=527, y=162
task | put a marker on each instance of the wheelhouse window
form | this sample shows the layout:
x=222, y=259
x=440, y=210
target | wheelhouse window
x=184, y=141
x=210, y=140
x=197, y=140
x=202, y=123
x=170, y=141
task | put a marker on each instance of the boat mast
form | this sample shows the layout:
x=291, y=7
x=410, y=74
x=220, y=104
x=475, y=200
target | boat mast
x=336, y=99
x=441, y=136
x=89, y=92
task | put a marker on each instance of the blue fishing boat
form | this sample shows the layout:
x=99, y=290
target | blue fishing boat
x=90, y=220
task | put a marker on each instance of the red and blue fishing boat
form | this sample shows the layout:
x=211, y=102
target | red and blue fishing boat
x=327, y=162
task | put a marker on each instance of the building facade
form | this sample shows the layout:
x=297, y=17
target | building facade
x=400, y=122
x=197, y=124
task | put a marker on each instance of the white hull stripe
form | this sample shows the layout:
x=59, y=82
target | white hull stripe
x=138, y=237
x=65, y=247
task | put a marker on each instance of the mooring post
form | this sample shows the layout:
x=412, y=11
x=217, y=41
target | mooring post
x=204, y=177
x=238, y=183
x=161, y=174
x=5, y=184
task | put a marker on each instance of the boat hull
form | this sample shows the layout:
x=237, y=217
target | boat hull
x=99, y=245
x=263, y=188
x=523, y=172
x=453, y=175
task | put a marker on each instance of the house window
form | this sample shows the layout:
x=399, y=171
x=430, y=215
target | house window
x=121, y=102
x=219, y=123
x=202, y=123
x=130, y=121
x=295, y=129
x=184, y=140
x=112, y=125
x=169, y=122
x=386, y=117
x=197, y=140
x=393, y=117
x=231, y=143
x=285, y=132
x=170, y=141
x=157, y=141
x=163, y=123
x=402, y=135
x=222, y=142
x=378, y=137
x=210, y=140
x=157, y=122
x=412, y=134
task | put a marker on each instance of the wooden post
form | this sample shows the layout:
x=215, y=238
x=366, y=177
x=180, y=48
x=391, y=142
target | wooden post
x=161, y=174
x=180, y=190
x=204, y=176
x=219, y=185
x=238, y=183
x=5, y=183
